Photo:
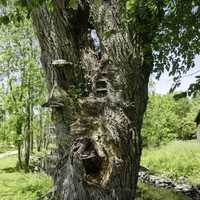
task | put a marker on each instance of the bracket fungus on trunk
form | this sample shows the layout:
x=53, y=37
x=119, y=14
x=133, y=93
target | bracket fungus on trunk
x=53, y=103
x=62, y=63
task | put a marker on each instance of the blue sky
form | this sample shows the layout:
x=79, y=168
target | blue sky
x=163, y=85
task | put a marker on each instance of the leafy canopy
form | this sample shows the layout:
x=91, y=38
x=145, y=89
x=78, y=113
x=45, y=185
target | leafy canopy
x=175, y=42
x=166, y=120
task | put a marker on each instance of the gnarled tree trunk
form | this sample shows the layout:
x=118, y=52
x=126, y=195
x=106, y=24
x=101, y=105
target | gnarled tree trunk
x=97, y=104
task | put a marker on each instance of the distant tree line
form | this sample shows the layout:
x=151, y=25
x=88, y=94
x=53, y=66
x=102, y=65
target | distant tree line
x=167, y=119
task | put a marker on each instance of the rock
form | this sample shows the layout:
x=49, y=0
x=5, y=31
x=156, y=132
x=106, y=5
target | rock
x=183, y=187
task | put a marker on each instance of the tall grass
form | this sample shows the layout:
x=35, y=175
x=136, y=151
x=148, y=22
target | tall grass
x=180, y=158
x=15, y=185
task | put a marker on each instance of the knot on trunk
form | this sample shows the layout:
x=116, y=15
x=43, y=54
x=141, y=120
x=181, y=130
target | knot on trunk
x=84, y=156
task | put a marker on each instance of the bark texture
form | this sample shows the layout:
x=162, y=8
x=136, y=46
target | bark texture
x=97, y=104
x=198, y=133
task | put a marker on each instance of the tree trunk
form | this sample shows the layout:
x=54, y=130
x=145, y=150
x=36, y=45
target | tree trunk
x=18, y=141
x=31, y=130
x=39, y=136
x=28, y=133
x=27, y=150
x=97, y=103
x=198, y=133
x=19, y=154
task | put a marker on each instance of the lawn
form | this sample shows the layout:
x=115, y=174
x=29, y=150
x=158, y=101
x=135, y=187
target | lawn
x=175, y=159
x=148, y=192
x=15, y=185
x=180, y=158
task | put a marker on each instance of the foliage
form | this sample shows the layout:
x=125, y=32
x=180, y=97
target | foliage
x=22, y=88
x=19, y=64
x=166, y=120
x=144, y=16
x=175, y=159
x=176, y=40
x=16, y=185
x=172, y=28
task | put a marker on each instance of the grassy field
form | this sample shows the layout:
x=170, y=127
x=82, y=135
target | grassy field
x=15, y=185
x=175, y=159
x=148, y=192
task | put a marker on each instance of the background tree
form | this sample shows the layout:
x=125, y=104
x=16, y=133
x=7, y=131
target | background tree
x=25, y=90
x=167, y=119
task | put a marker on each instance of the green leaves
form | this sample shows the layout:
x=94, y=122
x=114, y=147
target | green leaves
x=4, y=20
x=130, y=5
x=177, y=41
x=172, y=28
x=4, y=2
x=19, y=54
x=73, y=4
x=166, y=120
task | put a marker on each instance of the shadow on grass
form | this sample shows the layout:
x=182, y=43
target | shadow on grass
x=31, y=188
x=36, y=189
x=9, y=170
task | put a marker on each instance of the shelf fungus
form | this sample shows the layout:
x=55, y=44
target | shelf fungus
x=62, y=63
x=53, y=103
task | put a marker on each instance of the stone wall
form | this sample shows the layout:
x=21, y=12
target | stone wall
x=181, y=185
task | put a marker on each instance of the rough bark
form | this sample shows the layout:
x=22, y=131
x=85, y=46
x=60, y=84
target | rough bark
x=198, y=133
x=97, y=105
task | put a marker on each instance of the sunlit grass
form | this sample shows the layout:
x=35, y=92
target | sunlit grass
x=175, y=159
x=15, y=185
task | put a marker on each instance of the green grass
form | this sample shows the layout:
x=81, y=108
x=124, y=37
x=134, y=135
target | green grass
x=147, y=192
x=175, y=159
x=15, y=185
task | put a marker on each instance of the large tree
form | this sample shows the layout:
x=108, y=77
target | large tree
x=98, y=89
x=97, y=103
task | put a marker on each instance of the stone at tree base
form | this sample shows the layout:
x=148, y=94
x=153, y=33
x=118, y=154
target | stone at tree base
x=159, y=180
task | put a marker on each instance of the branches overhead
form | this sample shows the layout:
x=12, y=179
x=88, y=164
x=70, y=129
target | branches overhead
x=171, y=27
x=144, y=16
x=177, y=41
